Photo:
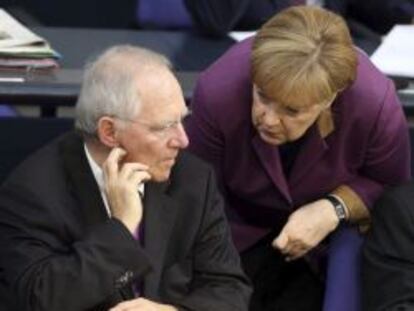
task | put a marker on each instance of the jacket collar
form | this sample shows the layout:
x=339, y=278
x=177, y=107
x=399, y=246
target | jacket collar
x=325, y=123
x=311, y=151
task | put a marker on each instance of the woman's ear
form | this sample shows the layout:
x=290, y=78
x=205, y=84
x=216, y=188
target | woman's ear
x=107, y=132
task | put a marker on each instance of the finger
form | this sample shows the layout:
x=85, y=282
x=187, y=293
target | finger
x=129, y=168
x=298, y=254
x=292, y=248
x=281, y=241
x=125, y=305
x=110, y=167
x=296, y=249
x=138, y=177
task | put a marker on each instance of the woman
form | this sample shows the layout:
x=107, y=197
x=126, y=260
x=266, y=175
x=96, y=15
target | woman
x=304, y=133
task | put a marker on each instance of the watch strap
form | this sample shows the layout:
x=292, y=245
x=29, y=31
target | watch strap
x=338, y=206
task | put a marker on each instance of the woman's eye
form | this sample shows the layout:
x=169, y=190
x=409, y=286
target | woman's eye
x=265, y=101
x=291, y=111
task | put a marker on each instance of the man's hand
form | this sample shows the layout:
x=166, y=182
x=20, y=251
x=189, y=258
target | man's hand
x=306, y=228
x=121, y=187
x=142, y=304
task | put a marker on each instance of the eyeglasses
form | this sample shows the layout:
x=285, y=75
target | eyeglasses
x=161, y=130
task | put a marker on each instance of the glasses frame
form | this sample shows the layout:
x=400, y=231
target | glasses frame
x=161, y=130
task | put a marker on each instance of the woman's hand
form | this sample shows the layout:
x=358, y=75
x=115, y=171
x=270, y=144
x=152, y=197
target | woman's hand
x=306, y=228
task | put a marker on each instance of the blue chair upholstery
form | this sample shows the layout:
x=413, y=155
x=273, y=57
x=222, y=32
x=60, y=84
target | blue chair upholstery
x=7, y=111
x=162, y=14
x=343, y=288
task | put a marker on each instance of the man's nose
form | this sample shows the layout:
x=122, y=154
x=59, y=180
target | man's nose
x=181, y=139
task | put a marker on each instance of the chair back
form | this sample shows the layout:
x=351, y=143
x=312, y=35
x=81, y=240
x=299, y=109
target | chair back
x=343, y=284
x=162, y=14
x=20, y=136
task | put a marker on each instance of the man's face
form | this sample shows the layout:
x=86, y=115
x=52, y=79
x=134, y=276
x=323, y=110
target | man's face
x=277, y=123
x=156, y=135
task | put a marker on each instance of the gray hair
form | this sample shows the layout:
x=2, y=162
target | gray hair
x=109, y=85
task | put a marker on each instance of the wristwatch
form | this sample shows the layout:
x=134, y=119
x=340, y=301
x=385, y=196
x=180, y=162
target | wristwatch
x=339, y=208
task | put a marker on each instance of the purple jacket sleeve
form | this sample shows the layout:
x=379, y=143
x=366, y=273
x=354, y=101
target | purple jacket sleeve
x=387, y=157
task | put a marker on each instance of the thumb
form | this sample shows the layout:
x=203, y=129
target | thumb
x=281, y=240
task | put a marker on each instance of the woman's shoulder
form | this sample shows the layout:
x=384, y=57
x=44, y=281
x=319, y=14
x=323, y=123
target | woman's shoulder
x=370, y=83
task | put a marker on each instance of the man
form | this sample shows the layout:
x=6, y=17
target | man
x=388, y=266
x=75, y=233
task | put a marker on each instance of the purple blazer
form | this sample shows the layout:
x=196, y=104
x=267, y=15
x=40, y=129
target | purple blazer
x=368, y=149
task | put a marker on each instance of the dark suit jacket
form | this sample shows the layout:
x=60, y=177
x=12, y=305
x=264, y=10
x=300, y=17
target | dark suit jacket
x=368, y=149
x=60, y=251
x=388, y=255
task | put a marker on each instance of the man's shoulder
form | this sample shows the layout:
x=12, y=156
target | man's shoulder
x=396, y=205
x=42, y=165
x=190, y=165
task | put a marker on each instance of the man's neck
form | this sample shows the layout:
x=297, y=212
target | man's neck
x=97, y=151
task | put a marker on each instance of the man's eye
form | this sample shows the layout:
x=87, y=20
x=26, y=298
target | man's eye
x=159, y=128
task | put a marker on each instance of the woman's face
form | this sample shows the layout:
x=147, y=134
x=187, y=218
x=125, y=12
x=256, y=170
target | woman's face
x=277, y=123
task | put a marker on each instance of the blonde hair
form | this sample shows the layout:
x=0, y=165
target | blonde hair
x=303, y=56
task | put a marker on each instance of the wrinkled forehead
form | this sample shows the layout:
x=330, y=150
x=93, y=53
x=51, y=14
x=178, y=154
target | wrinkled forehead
x=160, y=95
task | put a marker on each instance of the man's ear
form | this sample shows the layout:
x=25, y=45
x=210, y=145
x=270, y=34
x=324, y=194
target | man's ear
x=106, y=131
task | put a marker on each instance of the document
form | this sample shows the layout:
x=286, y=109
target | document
x=395, y=55
x=241, y=35
x=20, y=47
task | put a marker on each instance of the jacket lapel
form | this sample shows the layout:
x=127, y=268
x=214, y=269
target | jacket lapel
x=270, y=159
x=86, y=191
x=159, y=217
x=311, y=151
x=81, y=180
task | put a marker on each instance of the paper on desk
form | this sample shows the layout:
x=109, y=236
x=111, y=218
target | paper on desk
x=395, y=55
x=18, y=41
x=241, y=35
x=13, y=34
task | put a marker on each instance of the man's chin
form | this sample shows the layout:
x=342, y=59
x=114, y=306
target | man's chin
x=160, y=176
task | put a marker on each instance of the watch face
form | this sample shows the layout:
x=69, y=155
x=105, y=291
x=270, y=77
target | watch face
x=340, y=211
